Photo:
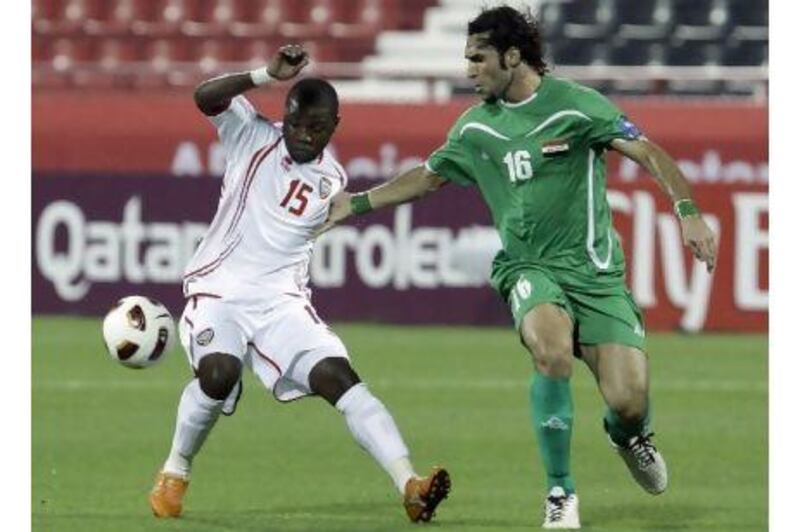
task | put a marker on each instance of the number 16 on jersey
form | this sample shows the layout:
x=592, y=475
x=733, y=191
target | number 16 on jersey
x=519, y=165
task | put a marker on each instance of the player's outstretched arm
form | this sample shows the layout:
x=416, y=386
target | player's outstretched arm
x=213, y=96
x=403, y=188
x=697, y=235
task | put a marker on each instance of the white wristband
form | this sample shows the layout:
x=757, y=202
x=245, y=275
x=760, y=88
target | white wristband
x=260, y=76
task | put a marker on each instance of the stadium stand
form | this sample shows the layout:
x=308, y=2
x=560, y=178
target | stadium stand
x=590, y=20
x=644, y=20
x=151, y=43
x=699, y=20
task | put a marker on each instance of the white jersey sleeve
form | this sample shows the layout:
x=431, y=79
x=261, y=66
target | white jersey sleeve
x=242, y=132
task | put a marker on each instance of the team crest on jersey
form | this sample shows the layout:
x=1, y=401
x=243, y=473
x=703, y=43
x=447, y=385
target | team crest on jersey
x=205, y=336
x=325, y=187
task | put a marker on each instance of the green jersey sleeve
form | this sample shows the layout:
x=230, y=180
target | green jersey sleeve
x=608, y=122
x=453, y=160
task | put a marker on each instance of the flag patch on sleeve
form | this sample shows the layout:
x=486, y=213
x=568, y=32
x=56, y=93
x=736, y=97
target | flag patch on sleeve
x=555, y=147
x=628, y=128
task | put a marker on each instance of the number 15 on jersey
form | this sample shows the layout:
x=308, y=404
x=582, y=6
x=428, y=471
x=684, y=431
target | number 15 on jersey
x=298, y=195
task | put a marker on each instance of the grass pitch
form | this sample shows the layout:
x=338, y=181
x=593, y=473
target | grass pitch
x=459, y=395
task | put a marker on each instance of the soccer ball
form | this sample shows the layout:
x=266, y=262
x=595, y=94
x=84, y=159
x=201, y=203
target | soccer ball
x=138, y=331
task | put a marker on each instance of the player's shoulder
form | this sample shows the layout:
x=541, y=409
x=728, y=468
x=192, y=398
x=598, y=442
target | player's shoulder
x=480, y=113
x=476, y=112
x=266, y=130
x=577, y=94
x=240, y=109
x=564, y=84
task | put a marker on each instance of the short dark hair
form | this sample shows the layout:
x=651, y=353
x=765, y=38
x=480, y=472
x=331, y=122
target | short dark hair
x=314, y=92
x=509, y=27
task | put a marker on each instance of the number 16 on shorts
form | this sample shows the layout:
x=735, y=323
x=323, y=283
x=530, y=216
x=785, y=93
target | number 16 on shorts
x=521, y=291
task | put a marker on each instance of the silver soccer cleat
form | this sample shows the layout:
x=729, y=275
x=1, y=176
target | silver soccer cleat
x=644, y=462
x=561, y=510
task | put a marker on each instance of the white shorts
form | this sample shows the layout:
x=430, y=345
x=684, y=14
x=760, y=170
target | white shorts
x=279, y=337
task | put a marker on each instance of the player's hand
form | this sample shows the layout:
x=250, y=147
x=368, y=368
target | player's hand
x=338, y=211
x=699, y=237
x=288, y=62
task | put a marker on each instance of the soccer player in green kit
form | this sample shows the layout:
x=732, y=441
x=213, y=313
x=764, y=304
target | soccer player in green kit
x=535, y=149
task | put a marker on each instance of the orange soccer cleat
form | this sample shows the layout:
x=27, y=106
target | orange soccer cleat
x=423, y=495
x=166, y=498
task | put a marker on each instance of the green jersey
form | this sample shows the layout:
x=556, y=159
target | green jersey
x=540, y=167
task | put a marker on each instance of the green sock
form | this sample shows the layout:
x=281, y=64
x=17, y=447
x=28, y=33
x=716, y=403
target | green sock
x=551, y=413
x=621, y=432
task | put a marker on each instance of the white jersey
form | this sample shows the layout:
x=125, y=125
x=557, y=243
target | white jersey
x=261, y=235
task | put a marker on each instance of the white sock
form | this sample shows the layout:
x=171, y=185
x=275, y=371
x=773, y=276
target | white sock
x=401, y=470
x=375, y=431
x=197, y=414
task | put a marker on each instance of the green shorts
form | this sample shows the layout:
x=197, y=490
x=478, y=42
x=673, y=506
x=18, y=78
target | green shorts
x=605, y=316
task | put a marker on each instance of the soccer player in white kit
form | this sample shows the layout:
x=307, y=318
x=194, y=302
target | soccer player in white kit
x=247, y=300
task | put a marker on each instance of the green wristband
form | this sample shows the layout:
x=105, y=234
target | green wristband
x=359, y=203
x=685, y=208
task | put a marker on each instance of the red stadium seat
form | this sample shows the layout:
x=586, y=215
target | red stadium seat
x=358, y=18
x=410, y=17
x=65, y=53
x=114, y=53
x=114, y=20
x=258, y=18
x=36, y=10
x=164, y=19
x=163, y=54
x=42, y=77
x=212, y=20
x=45, y=14
x=256, y=53
x=343, y=49
x=170, y=63
x=110, y=66
x=307, y=19
x=61, y=17
x=211, y=54
x=237, y=50
x=40, y=49
x=83, y=49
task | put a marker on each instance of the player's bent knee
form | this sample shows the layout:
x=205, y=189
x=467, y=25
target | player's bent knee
x=552, y=354
x=218, y=374
x=557, y=366
x=332, y=377
x=629, y=405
